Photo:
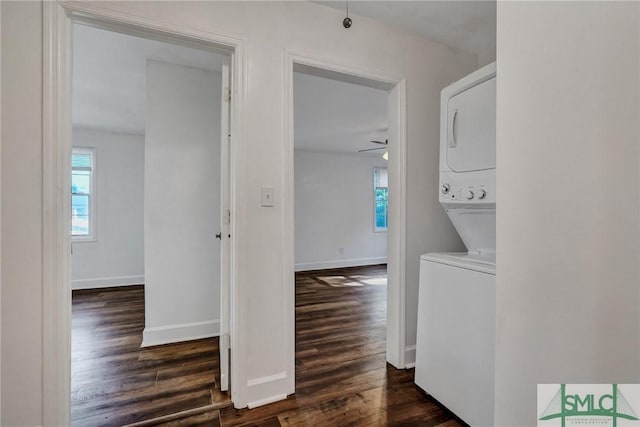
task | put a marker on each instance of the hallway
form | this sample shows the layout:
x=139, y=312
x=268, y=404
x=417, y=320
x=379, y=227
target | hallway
x=342, y=377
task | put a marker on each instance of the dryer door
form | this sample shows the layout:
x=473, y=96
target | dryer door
x=471, y=128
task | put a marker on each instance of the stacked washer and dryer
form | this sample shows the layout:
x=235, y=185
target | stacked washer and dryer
x=456, y=308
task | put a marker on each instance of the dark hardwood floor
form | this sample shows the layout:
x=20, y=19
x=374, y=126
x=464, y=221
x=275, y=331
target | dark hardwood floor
x=114, y=382
x=342, y=378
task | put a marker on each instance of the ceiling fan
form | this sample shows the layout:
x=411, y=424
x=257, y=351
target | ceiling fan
x=384, y=146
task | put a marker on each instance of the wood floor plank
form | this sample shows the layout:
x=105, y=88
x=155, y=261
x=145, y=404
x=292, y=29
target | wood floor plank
x=207, y=419
x=115, y=382
x=342, y=378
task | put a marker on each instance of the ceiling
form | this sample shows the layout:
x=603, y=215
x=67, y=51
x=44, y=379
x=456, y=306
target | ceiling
x=469, y=26
x=109, y=73
x=331, y=115
x=109, y=92
x=109, y=76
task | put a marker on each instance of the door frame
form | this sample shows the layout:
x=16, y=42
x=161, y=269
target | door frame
x=396, y=252
x=58, y=17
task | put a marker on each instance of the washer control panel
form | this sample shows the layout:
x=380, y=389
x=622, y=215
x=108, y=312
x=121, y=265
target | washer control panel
x=455, y=190
x=451, y=193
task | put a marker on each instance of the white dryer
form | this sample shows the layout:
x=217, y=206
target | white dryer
x=455, y=344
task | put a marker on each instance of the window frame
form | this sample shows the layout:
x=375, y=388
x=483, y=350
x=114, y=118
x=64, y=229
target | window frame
x=377, y=229
x=91, y=237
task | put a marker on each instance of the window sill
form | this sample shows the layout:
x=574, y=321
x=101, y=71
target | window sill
x=83, y=240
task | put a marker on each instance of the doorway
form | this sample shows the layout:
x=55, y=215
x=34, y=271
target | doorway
x=60, y=20
x=341, y=185
x=396, y=116
x=147, y=200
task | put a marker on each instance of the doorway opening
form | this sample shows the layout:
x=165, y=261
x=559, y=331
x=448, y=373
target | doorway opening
x=148, y=195
x=147, y=200
x=341, y=220
x=117, y=176
x=364, y=253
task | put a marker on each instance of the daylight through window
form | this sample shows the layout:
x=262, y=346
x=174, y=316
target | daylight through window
x=381, y=198
x=82, y=168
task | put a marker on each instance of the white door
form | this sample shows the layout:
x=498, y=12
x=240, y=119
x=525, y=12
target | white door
x=225, y=227
x=471, y=128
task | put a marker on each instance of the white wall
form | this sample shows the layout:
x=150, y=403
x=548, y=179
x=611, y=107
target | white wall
x=428, y=227
x=568, y=213
x=21, y=214
x=116, y=257
x=486, y=58
x=334, y=209
x=269, y=28
x=182, y=203
x=0, y=215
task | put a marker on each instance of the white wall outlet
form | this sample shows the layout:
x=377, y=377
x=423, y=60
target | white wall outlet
x=267, y=196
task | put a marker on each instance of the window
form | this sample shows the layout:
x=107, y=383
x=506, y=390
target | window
x=381, y=199
x=82, y=197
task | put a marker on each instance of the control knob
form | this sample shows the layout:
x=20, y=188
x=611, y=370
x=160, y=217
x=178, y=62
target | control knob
x=445, y=188
x=470, y=195
x=482, y=194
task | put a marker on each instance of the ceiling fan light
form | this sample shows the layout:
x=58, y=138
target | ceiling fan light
x=385, y=155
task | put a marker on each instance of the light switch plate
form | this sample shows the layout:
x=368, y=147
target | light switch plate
x=267, y=196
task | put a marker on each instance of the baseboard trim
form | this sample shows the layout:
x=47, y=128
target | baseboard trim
x=340, y=263
x=160, y=335
x=410, y=356
x=107, y=282
x=263, y=380
x=266, y=401
x=265, y=390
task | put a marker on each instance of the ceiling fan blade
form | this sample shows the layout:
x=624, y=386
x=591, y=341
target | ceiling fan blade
x=372, y=149
x=386, y=141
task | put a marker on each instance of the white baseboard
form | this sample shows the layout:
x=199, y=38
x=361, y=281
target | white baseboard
x=182, y=332
x=410, y=357
x=265, y=390
x=266, y=401
x=340, y=263
x=107, y=282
